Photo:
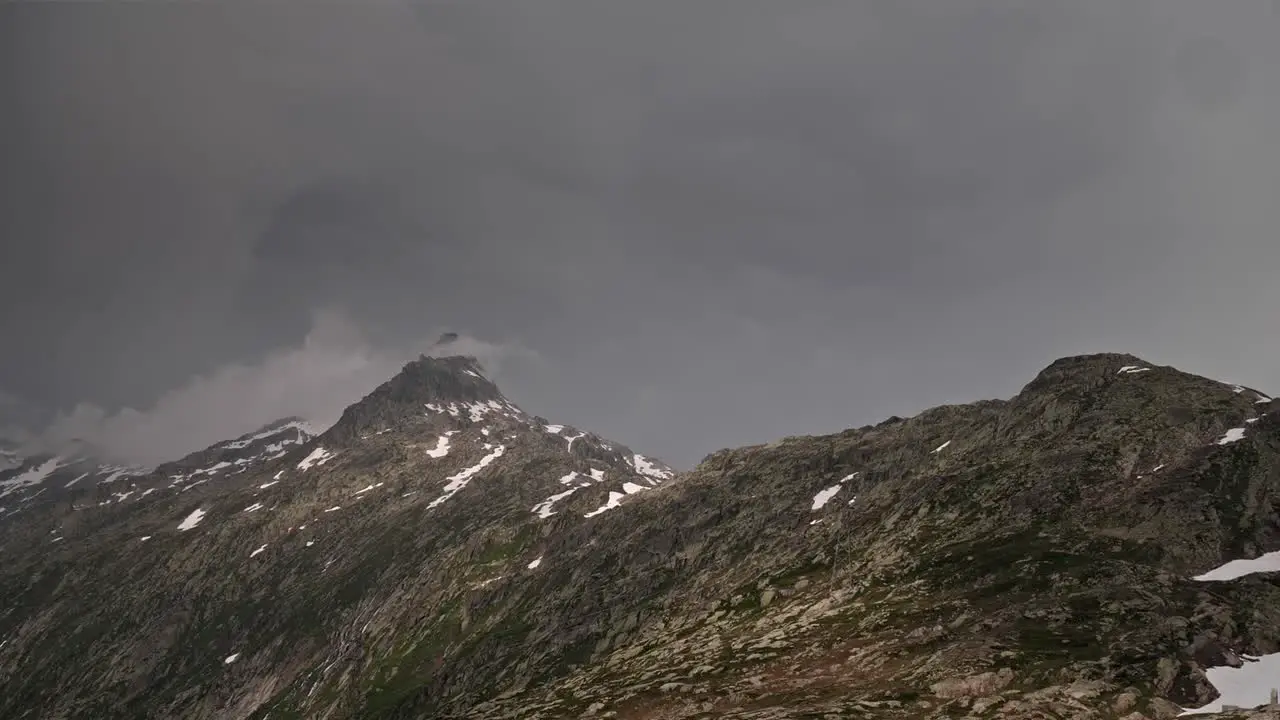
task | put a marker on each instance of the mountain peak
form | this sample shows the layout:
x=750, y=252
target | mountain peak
x=1086, y=367
x=425, y=381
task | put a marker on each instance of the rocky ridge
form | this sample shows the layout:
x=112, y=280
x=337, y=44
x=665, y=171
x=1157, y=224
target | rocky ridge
x=439, y=553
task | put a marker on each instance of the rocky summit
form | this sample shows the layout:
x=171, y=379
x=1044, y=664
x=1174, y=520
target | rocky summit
x=1102, y=545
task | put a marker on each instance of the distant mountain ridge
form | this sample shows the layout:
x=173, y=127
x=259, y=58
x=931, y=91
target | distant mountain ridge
x=1102, y=545
x=50, y=485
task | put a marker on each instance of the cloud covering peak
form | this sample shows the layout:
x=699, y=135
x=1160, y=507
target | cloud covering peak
x=334, y=366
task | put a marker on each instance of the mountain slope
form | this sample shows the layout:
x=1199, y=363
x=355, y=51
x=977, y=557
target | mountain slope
x=431, y=475
x=439, y=553
x=42, y=497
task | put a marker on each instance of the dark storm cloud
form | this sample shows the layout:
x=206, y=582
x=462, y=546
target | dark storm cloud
x=715, y=222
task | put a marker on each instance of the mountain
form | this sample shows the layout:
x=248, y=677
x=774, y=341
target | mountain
x=1101, y=545
x=43, y=488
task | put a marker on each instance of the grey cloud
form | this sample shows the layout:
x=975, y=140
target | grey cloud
x=333, y=367
x=717, y=222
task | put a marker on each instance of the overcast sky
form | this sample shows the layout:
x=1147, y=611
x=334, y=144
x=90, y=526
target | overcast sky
x=683, y=225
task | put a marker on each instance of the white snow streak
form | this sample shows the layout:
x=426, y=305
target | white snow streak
x=319, y=456
x=535, y=563
x=1131, y=369
x=231, y=658
x=823, y=496
x=1270, y=562
x=191, y=520
x=1233, y=435
x=246, y=442
x=942, y=447
x=460, y=480
x=442, y=447
x=260, y=549
x=543, y=509
x=31, y=477
x=645, y=466
x=615, y=499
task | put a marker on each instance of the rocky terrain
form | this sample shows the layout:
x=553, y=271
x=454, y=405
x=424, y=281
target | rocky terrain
x=1072, y=552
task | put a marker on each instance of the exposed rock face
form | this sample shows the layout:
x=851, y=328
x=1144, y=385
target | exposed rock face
x=439, y=553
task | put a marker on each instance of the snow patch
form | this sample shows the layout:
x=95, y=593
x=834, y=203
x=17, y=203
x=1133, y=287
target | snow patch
x=459, y=481
x=318, y=456
x=442, y=447
x=31, y=477
x=535, y=563
x=615, y=500
x=645, y=466
x=191, y=520
x=823, y=496
x=942, y=447
x=253, y=508
x=544, y=509
x=248, y=440
x=555, y=429
x=231, y=658
x=631, y=488
x=116, y=474
x=1270, y=562
x=597, y=475
x=1131, y=369
x=1247, y=686
x=259, y=550
x=1232, y=435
